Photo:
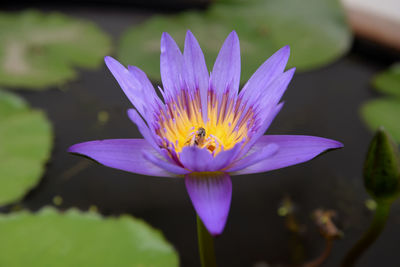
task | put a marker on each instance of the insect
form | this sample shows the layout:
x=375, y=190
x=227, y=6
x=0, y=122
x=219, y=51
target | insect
x=197, y=138
x=200, y=135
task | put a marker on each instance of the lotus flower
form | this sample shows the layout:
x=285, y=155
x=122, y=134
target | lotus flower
x=205, y=130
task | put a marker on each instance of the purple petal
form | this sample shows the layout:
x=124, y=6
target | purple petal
x=270, y=107
x=211, y=195
x=171, y=62
x=196, y=159
x=256, y=156
x=131, y=84
x=171, y=167
x=262, y=129
x=267, y=101
x=226, y=71
x=264, y=75
x=293, y=149
x=224, y=158
x=123, y=154
x=196, y=73
x=153, y=102
x=143, y=129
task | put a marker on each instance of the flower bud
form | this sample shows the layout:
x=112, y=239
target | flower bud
x=382, y=167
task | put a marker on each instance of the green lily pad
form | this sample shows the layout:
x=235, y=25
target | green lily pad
x=39, y=50
x=25, y=145
x=315, y=30
x=73, y=238
x=383, y=112
x=388, y=81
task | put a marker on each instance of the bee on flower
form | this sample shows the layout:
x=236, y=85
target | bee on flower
x=204, y=129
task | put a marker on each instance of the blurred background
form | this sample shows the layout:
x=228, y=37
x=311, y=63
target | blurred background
x=55, y=91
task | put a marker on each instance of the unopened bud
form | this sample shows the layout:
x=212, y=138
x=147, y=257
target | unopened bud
x=382, y=167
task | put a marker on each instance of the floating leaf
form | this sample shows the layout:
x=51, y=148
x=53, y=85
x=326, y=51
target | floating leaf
x=315, y=30
x=388, y=81
x=51, y=238
x=39, y=50
x=383, y=112
x=25, y=145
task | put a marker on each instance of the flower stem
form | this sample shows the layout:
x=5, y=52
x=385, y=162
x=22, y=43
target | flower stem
x=322, y=258
x=206, y=245
x=369, y=237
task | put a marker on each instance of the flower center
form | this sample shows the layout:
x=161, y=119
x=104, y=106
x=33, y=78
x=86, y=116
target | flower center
x=181, y=123
x=200, y=138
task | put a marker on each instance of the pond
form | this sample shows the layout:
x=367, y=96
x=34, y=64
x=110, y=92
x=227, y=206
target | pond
x=324, y=102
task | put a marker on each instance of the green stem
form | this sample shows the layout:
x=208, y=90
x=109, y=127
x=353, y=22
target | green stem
x=369, y=237
x=206, y=245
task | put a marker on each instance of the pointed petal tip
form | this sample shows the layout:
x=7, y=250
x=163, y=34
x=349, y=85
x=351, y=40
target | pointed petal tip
x=289, y=73
x=131, y=112
x=285, y=52
x=331, y=144
x=165, y=35
x=72, y=149
x=166, y=38
x=233, y=37
x=287, y=76
x=293, y=149
x=113, y=64
x=214, y=231
x=189, y=33
x=109, y=60
x=211, y=196
x=79, y=148
x=214, y=227
x=337, y=144
x=233, y=34
x=286, y=48
x=123, y=154
x=190, y=39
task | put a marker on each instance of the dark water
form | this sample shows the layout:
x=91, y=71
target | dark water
x=324, y=102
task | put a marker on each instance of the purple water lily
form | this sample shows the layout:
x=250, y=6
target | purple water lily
x=205, y=130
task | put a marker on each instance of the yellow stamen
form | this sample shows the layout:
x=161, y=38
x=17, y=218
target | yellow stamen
x=225, y=126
